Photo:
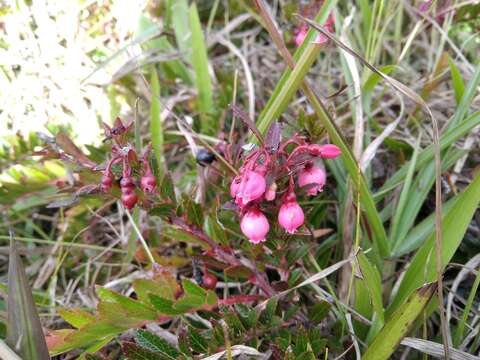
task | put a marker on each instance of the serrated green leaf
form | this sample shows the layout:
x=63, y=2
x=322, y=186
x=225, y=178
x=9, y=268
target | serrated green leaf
x=319, y=311
x=130, y=307
x=164, y=306
x=155, y=344
x=134, y=352
x=164, y=285
x=197, y=342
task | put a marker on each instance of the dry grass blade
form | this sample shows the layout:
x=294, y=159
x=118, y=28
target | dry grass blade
x=435, y=349
x=412, y=95
x=7, y=353
x=24, y=330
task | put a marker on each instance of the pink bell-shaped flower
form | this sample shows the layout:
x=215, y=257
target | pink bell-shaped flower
x=313, y=176
x=254, y=225
x=252, y=187
x=291, y=215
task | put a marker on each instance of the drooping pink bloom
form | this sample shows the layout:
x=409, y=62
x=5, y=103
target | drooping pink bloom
x=315, y=177
x=254, y=225
x=252, y=187
x=291, y=215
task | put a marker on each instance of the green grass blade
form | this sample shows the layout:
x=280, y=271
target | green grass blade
x=404, y=195
x=399, y=324
x=455, y=223
x=156, y=129
x=200, y=63
x=417, y=195
x=458, y=334
x=372, y=280
x=24, y=330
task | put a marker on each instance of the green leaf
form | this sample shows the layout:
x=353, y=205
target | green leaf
x=76, y=317
x=165, y=286
x=197, y=342
x=200, y=63
x=193, y=289
x=167, y=189
x=455, y=223
x=130, y=307
x=399, y=324
x=319, y=311
x=134, y=352
x=162, y=210
x=155, y=344
x=24, y=330
x=164, y=306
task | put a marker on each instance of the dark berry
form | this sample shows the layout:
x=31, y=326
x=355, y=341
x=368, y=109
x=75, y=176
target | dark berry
x=205, y=157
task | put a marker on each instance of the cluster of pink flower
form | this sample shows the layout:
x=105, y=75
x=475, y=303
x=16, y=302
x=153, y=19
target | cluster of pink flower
x=257, y=182
x=125, y=154
x=301, y=33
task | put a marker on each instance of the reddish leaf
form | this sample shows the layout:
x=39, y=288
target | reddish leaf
x=71, y=149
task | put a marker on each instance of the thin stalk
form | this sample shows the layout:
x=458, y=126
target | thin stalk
x=140, y=236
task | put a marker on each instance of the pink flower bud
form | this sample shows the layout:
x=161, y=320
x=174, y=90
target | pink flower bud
x=271, y=192
x=254, y=225
x=315, y=177
x=328, y=151
x=291, y=216
x=252, y=187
